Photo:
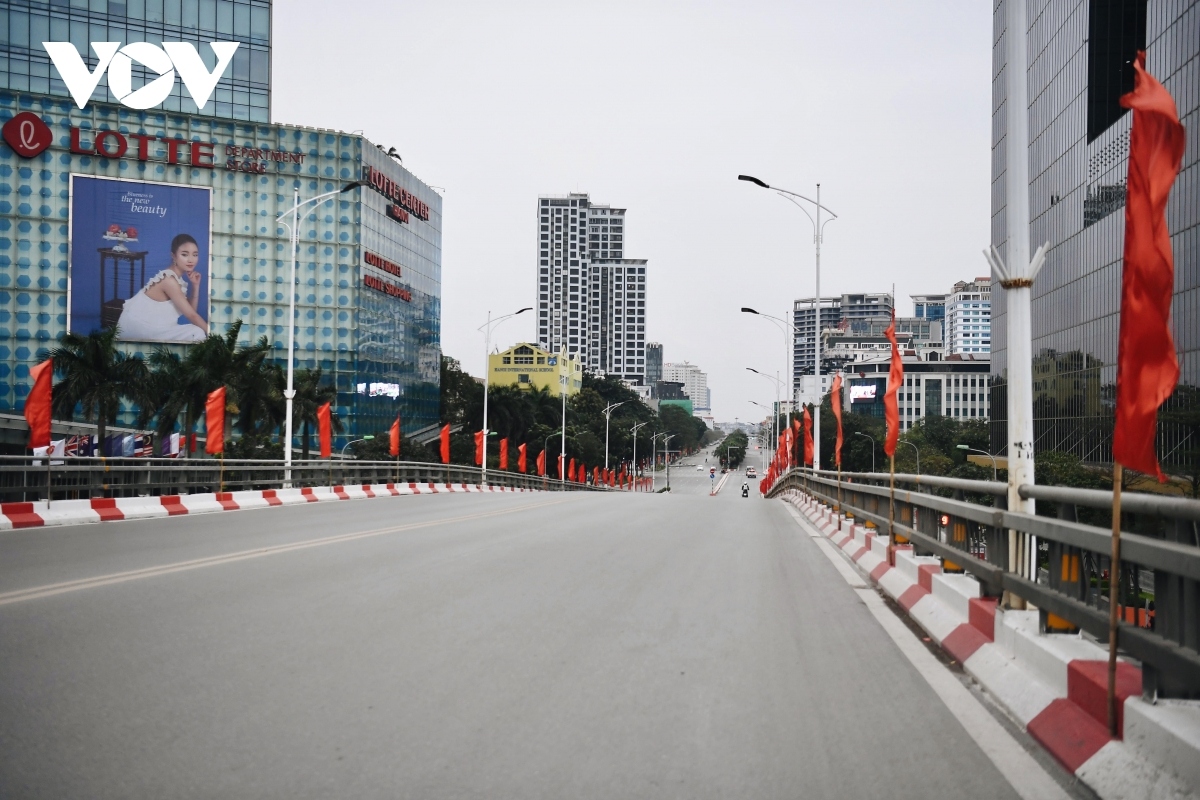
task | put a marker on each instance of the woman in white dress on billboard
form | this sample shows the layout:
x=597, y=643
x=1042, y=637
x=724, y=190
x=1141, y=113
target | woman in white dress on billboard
x=153, y=313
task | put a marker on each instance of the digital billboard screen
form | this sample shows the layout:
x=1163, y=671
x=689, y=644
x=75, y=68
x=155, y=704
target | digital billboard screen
x=140, y=254
x=861, y=394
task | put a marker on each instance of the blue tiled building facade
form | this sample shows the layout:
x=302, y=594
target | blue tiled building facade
x=369, y=266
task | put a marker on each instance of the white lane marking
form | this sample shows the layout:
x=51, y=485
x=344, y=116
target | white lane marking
x=50, y=590
x=1021, y=770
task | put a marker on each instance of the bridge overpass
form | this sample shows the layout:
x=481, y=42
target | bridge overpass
x=536, y=644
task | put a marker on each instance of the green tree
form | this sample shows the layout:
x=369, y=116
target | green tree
x=312, y=393
x=96, y=376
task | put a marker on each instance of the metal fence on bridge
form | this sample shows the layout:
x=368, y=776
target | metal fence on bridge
x=1060, y=565
x=25, y=478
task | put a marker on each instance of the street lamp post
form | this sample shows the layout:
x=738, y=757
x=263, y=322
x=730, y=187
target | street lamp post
x=981, y=452
x=784, y=327
x=778, y=391
x=486, y=329
x=667, y=452
x=290, y=392
x=347, y=444
x=634, y=431
x=607, y=414
x=654, y=458
x=914, y=447
x=872, y=438
x=546, y=443
x=818, y=236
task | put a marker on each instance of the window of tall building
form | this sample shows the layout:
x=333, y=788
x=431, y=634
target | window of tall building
x=1116, y=31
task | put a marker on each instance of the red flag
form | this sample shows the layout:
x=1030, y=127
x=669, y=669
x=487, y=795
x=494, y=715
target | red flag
x=1147, y=367
x=808, y=437
x=796, y=437
x=835, y=401
x=561, y=464
x=478, y=448
x=37, y=404
x=445, y=444
x=891, y=401
x=571, y=476
x=394, y=438
x=504, y=453
x=541, y=464
x=595, y=476
x=521, y=457
x=214, y=421
x=324, y=430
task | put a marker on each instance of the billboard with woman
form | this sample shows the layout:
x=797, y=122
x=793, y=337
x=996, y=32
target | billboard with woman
x=139, y=259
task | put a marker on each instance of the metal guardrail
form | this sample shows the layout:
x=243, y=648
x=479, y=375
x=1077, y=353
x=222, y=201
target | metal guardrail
x=25, y=478
x=1060, y=565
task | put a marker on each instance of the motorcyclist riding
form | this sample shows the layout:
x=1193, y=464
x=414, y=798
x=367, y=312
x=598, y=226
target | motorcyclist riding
x=745, y=489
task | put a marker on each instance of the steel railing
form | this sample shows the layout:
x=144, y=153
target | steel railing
x=25, y=478
x=1059, y=564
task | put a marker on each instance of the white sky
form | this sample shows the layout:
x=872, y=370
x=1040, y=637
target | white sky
x=657, y=107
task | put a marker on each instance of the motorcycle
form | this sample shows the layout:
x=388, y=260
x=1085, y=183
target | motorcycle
x=745, y=490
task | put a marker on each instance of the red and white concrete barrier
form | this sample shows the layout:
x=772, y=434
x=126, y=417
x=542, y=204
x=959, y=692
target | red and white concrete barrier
x=1055, y=685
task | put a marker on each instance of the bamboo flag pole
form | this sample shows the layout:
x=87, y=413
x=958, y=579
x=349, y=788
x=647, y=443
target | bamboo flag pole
x=1114, y=575
x=839, y=507
x=892, y=502
x=222, y=470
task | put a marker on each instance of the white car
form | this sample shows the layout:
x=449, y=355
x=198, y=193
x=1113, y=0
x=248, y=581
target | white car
x=751, y=472
x=700, y=467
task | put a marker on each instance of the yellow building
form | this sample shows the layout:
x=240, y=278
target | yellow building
x=530, y=367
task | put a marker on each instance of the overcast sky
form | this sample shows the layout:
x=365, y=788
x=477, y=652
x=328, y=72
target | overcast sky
x=657, y=107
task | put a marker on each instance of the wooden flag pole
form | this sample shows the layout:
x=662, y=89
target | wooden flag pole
x=222, y=470
x=49, y=450
x=839, y=507
x=1114, y=575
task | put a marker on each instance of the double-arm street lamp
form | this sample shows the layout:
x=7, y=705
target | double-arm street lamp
x=634, y=431
x=789, y=335
x=290, y=392
x=818, y=236
x=486, y=330
x=607, y=418
x=778, y=391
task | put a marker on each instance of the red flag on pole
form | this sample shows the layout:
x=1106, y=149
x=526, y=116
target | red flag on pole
x=796, y=438
x=541, y=464
x=595, y=476
x=478, y=448
x=808, y=438
x=1147, y=367
x=521, y=458
x=37, y=404
x=394, y=438
x=504, y=453
x=445, y=444
x=561, y=464
x=324, y=430
x=891, y=401
x=835, y=401
x=571, y=476
x=214, y=421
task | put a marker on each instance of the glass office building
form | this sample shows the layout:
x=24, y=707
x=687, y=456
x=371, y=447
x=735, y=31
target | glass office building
x=91, y=209
x=1079, y=66
x=243, y=92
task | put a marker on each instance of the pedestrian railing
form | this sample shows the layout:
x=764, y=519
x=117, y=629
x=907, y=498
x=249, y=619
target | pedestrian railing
x=1059, y=564
x=25, y=478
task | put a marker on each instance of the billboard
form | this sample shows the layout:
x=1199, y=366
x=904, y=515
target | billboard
x=862, y=393
x=140, y=256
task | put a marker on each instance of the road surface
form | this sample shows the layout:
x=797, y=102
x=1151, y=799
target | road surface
x=573, y=645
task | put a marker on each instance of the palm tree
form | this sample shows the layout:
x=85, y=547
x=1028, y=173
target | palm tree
x=311, y=394
x=182, y=383
x=96, y=376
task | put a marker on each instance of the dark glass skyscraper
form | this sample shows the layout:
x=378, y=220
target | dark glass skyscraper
x=1079, y=65
x=243, y=93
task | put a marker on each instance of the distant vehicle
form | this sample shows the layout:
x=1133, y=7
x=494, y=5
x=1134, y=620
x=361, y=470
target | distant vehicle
x=751, y=472
x=700, y=467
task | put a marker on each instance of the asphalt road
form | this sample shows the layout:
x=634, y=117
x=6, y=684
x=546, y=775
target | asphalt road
x=461, y=646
